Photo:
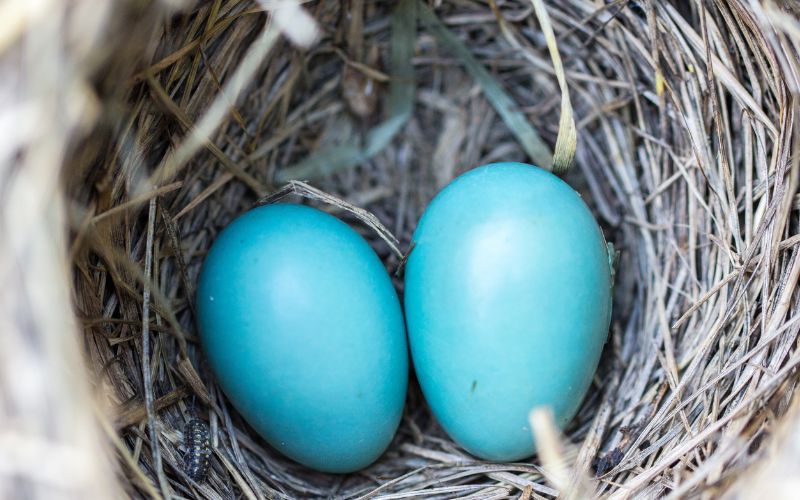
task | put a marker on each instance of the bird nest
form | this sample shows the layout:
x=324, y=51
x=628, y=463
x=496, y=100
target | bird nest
x=135, y=131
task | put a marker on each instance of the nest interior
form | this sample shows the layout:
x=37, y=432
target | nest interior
x=685, y=122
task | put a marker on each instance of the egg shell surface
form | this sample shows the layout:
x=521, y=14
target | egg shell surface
x=508, y=303
x=304, y=331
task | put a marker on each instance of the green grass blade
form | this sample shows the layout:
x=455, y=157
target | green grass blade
x=529, y=139
x=401, y=105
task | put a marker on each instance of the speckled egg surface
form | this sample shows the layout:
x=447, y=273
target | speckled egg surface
x=508, y=303
x=304, y=331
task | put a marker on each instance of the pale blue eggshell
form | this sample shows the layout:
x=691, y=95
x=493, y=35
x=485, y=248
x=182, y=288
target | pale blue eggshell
x=508, y=303
x=303, y=328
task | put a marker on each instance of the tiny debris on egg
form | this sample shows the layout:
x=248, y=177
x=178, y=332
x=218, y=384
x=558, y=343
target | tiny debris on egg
x=198, y=449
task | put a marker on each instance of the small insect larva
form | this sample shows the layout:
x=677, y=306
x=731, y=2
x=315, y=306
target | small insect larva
x=198, y=449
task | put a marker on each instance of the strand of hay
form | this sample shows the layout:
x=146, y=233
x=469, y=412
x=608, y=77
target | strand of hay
x=687, y=153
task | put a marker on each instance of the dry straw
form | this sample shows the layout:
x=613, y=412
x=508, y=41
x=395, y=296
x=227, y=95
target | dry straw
x=133, y=131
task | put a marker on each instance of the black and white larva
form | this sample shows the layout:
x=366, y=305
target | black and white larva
x=198, y=449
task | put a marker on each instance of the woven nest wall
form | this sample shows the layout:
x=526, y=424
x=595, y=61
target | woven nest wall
x=133, y=132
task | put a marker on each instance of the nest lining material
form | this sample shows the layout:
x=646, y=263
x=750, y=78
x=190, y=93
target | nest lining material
x=686, y=125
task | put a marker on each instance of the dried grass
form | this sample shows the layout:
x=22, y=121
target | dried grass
x=142, y=131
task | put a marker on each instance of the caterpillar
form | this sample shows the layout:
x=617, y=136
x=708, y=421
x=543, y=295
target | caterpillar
x=198, y=449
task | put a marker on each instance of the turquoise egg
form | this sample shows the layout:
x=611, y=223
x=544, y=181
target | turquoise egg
x=303, y=328
x=508, y=303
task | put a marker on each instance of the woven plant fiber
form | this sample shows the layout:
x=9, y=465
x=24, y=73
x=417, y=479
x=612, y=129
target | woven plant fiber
x=133, y=131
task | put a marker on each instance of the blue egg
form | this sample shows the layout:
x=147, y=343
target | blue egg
x=303, y=328
x=508, y=303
